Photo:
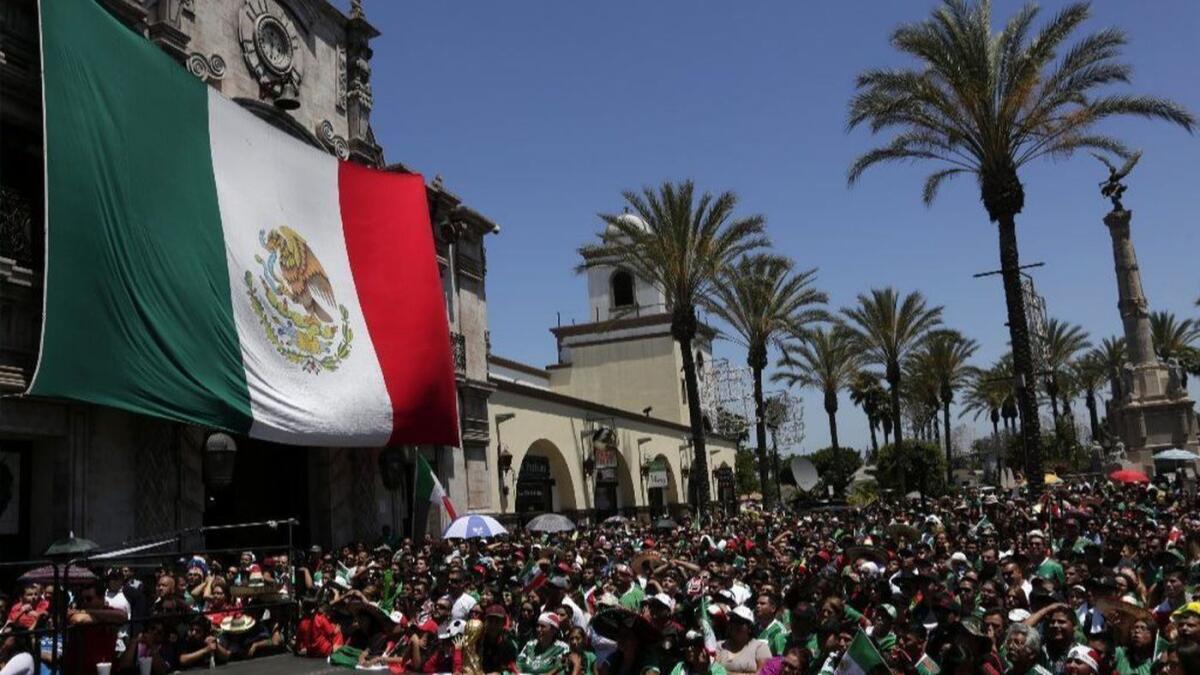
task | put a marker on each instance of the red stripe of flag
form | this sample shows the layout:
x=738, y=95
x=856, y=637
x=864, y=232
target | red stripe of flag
x=389, y=241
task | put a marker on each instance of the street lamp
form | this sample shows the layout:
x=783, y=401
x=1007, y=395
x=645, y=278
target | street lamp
x=220, y=457
x=504, y=458
x=391, y=467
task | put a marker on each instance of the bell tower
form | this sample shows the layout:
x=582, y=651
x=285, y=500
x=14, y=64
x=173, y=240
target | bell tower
x=624, y=355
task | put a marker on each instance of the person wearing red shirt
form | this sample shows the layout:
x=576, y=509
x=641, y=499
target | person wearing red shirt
x=92, y=631
x=30, y=609
x=316, y=635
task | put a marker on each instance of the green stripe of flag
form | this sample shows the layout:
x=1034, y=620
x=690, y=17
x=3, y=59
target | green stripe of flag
x=133, y=230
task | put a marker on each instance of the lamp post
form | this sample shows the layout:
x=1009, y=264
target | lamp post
x=220, y=457
x=503, y=458
x=645, y=468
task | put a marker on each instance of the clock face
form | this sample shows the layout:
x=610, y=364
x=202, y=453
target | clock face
x=273, y=44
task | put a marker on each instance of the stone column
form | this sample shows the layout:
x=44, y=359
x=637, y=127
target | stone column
x=1135, y=312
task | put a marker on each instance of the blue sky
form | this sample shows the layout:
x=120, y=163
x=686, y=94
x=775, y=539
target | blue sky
x=539, y=113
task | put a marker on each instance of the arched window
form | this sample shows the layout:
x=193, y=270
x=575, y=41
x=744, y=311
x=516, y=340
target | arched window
x=622, y=289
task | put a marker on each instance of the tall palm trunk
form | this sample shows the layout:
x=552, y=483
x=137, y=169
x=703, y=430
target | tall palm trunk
x=995, y=415
x=683, y=329
x=871, y=422
x=946, y=436
x=893, y=379
x=831, y=406
x=1093, y=419
x=1052, y=390
x=758, y=360
x=1018, y=330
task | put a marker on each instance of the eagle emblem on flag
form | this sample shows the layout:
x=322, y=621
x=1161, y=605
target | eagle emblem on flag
x=294, y=301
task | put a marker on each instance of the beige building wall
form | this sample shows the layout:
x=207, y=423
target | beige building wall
x=628, y=374
x=548, y=424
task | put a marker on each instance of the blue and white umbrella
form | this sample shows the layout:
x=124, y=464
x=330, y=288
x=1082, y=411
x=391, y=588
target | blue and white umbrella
x=1176, y=455
x=472, y=526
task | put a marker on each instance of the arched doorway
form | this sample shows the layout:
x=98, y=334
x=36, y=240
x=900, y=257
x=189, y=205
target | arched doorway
x=614, y=490
x=726, y=487
x=544, y=482
x=661, y=488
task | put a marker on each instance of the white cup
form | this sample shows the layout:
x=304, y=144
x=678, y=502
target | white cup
x=144, y=664
x=103, y=668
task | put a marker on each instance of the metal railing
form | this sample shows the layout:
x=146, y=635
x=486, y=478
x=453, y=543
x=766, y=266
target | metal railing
x=130, y=554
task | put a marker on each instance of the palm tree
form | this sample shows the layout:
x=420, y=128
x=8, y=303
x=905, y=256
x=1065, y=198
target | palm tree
x=919, y=398
x=1173, y=339
x=1089, y=373
x=760, y=297
x=985, y=396
x=824, y=359
x=944, y=354
x=886, y=329
x=1063, y=342
x=987, y=104
x=682, y=244
x=866, y=393
x=1110, y=356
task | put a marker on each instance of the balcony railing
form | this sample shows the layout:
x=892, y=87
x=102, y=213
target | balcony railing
x=458, y=343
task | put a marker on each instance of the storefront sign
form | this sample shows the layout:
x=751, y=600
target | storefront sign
x=606, y=464
x=657, y=477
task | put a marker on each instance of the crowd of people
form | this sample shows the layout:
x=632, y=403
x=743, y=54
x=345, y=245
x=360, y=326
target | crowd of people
x=1092, y=579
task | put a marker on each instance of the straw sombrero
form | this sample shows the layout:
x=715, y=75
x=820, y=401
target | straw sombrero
x=237, y=624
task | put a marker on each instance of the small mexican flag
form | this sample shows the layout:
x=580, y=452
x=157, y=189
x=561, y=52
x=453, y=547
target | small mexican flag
x=429, y=489
x=927, y=666
x=710, y=636
x=205, y=267
x=861, y=658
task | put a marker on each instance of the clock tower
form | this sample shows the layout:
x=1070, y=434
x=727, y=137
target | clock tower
x=302, y=65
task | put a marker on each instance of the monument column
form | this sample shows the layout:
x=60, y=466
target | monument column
x=1153, y=411
x=1131, y=301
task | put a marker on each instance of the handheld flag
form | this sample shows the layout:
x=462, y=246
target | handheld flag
x=429, y=489
x=861, y=658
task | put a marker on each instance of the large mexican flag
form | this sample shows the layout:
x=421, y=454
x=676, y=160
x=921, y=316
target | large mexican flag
x=205, y=267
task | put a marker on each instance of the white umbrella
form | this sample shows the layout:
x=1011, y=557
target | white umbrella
x=550, y=522
x=474, y=526
x=1176, y=455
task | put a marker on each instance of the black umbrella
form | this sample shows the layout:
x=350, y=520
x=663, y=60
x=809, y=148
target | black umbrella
x=665, y=524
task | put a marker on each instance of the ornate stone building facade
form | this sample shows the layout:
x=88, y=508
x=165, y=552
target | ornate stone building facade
x=304, y=66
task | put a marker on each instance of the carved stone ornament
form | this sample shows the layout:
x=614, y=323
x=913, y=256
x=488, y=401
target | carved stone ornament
x=271, y=47
x=211, y=68
x=340, y=100
x=334, y=143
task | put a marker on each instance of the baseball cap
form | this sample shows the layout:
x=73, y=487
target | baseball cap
x=664, y=600
x=496, y=609
x=742, y=613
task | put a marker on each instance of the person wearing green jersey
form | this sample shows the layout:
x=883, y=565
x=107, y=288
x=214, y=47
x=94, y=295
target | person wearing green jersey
x=696, y=659
x=770, y=628
x=544, y=653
